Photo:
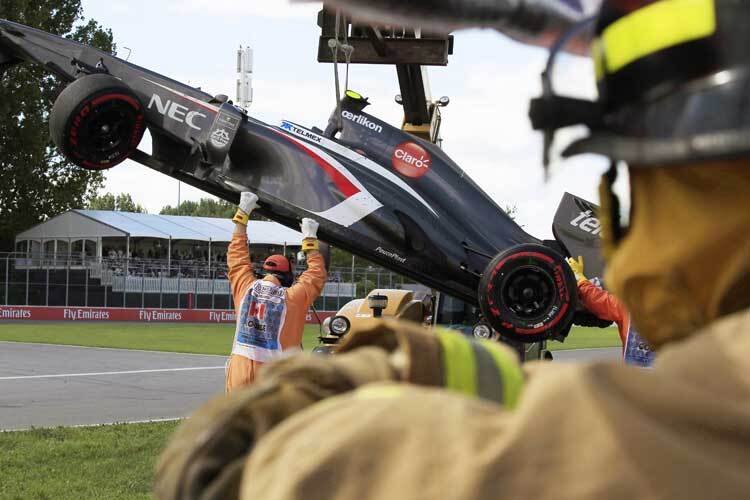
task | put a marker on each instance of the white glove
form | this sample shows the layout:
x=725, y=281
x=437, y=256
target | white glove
x=309, y=228
x=248, y=202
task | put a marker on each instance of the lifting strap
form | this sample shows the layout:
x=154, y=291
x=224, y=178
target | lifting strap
x=334, y=44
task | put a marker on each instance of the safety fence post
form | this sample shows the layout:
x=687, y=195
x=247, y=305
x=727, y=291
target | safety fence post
x=161, y=289
x=213, y=290
x=86, y=286
x=27, y=278
x=178, y=284
x=46, y=289
x=125, y=277
x=143, y=285
x=7, y=277
x=67, y=279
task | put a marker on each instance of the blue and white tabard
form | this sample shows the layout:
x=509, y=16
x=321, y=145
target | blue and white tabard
x=637, y=351
x=260, y=322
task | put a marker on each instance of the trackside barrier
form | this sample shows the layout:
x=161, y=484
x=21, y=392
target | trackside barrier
x=33, y=313
x=137, y=284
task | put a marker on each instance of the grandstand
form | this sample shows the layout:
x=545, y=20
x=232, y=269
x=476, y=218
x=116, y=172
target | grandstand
x=122, y=259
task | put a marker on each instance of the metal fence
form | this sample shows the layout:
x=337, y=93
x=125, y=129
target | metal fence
x=79, y=281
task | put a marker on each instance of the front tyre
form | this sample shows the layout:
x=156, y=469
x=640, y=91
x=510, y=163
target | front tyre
x=528, y=294
x=97, y=122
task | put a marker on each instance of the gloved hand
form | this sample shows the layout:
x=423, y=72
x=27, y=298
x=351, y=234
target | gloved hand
x=577, y=267
x=309, y=228
x=248, y=202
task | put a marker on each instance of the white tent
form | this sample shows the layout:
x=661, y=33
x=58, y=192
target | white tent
x=90, y=226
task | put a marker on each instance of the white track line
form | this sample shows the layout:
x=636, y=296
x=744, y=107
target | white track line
x=102, y=424
x=584, y=349
x=129, y=372
x=121, y=349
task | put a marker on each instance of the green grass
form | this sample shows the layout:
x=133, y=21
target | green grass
x=588, y=338
x=199, y=339
x=110, y=462
x=209, y=338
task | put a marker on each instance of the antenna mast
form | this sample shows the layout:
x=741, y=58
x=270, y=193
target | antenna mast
x=244, y=77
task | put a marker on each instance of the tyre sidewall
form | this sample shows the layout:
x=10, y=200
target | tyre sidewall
x=557, y=316
x=77, y=102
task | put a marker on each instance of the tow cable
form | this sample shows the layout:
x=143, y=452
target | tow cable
x=334, y=44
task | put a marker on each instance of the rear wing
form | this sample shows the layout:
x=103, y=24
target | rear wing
x=577, y=228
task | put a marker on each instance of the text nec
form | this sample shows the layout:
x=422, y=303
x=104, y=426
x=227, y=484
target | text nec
x=587, y=223
x=175, y=111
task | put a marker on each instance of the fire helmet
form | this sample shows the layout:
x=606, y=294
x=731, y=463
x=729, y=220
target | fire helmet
x=674, y=84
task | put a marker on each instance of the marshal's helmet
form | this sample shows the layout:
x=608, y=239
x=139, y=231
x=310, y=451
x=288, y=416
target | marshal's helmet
x=280, y=267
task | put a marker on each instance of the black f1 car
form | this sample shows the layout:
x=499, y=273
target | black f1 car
x=377, y=191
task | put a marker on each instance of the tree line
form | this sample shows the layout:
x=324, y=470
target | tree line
x=37, y=181
x=205, y=207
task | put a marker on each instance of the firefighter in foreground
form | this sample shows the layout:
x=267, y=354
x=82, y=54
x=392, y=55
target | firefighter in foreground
x=606, y=306
x=270, y=311
x=366, y=424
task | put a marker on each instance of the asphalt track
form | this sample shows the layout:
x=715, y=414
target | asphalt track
x=583, y=355
x=44, y=385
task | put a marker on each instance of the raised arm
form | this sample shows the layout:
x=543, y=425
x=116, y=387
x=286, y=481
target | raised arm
x=240, y=272
x=310, y=284
x=599, y=302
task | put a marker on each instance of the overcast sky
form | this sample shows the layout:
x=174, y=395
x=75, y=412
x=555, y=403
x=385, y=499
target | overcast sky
x=489, y=80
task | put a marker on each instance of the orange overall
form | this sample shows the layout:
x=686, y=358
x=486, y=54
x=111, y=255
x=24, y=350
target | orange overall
x=606, y=306
x=240, y=369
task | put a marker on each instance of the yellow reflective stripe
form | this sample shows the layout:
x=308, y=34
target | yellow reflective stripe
x=459, y=364
x=597, y=54
x=379, y=391
x=510, y=371
x=656, y=27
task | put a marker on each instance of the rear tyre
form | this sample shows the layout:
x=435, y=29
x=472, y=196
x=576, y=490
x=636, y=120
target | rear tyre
x=97, y=122
x=528, y=294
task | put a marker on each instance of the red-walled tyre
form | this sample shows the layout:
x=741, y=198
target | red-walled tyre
x=528, y=294
x=97, y=122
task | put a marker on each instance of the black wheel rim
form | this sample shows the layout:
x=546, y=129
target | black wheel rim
x=528, y=292
x=108, y=131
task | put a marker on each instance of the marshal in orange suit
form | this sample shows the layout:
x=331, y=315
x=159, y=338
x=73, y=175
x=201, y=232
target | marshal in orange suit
x=271, y=310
